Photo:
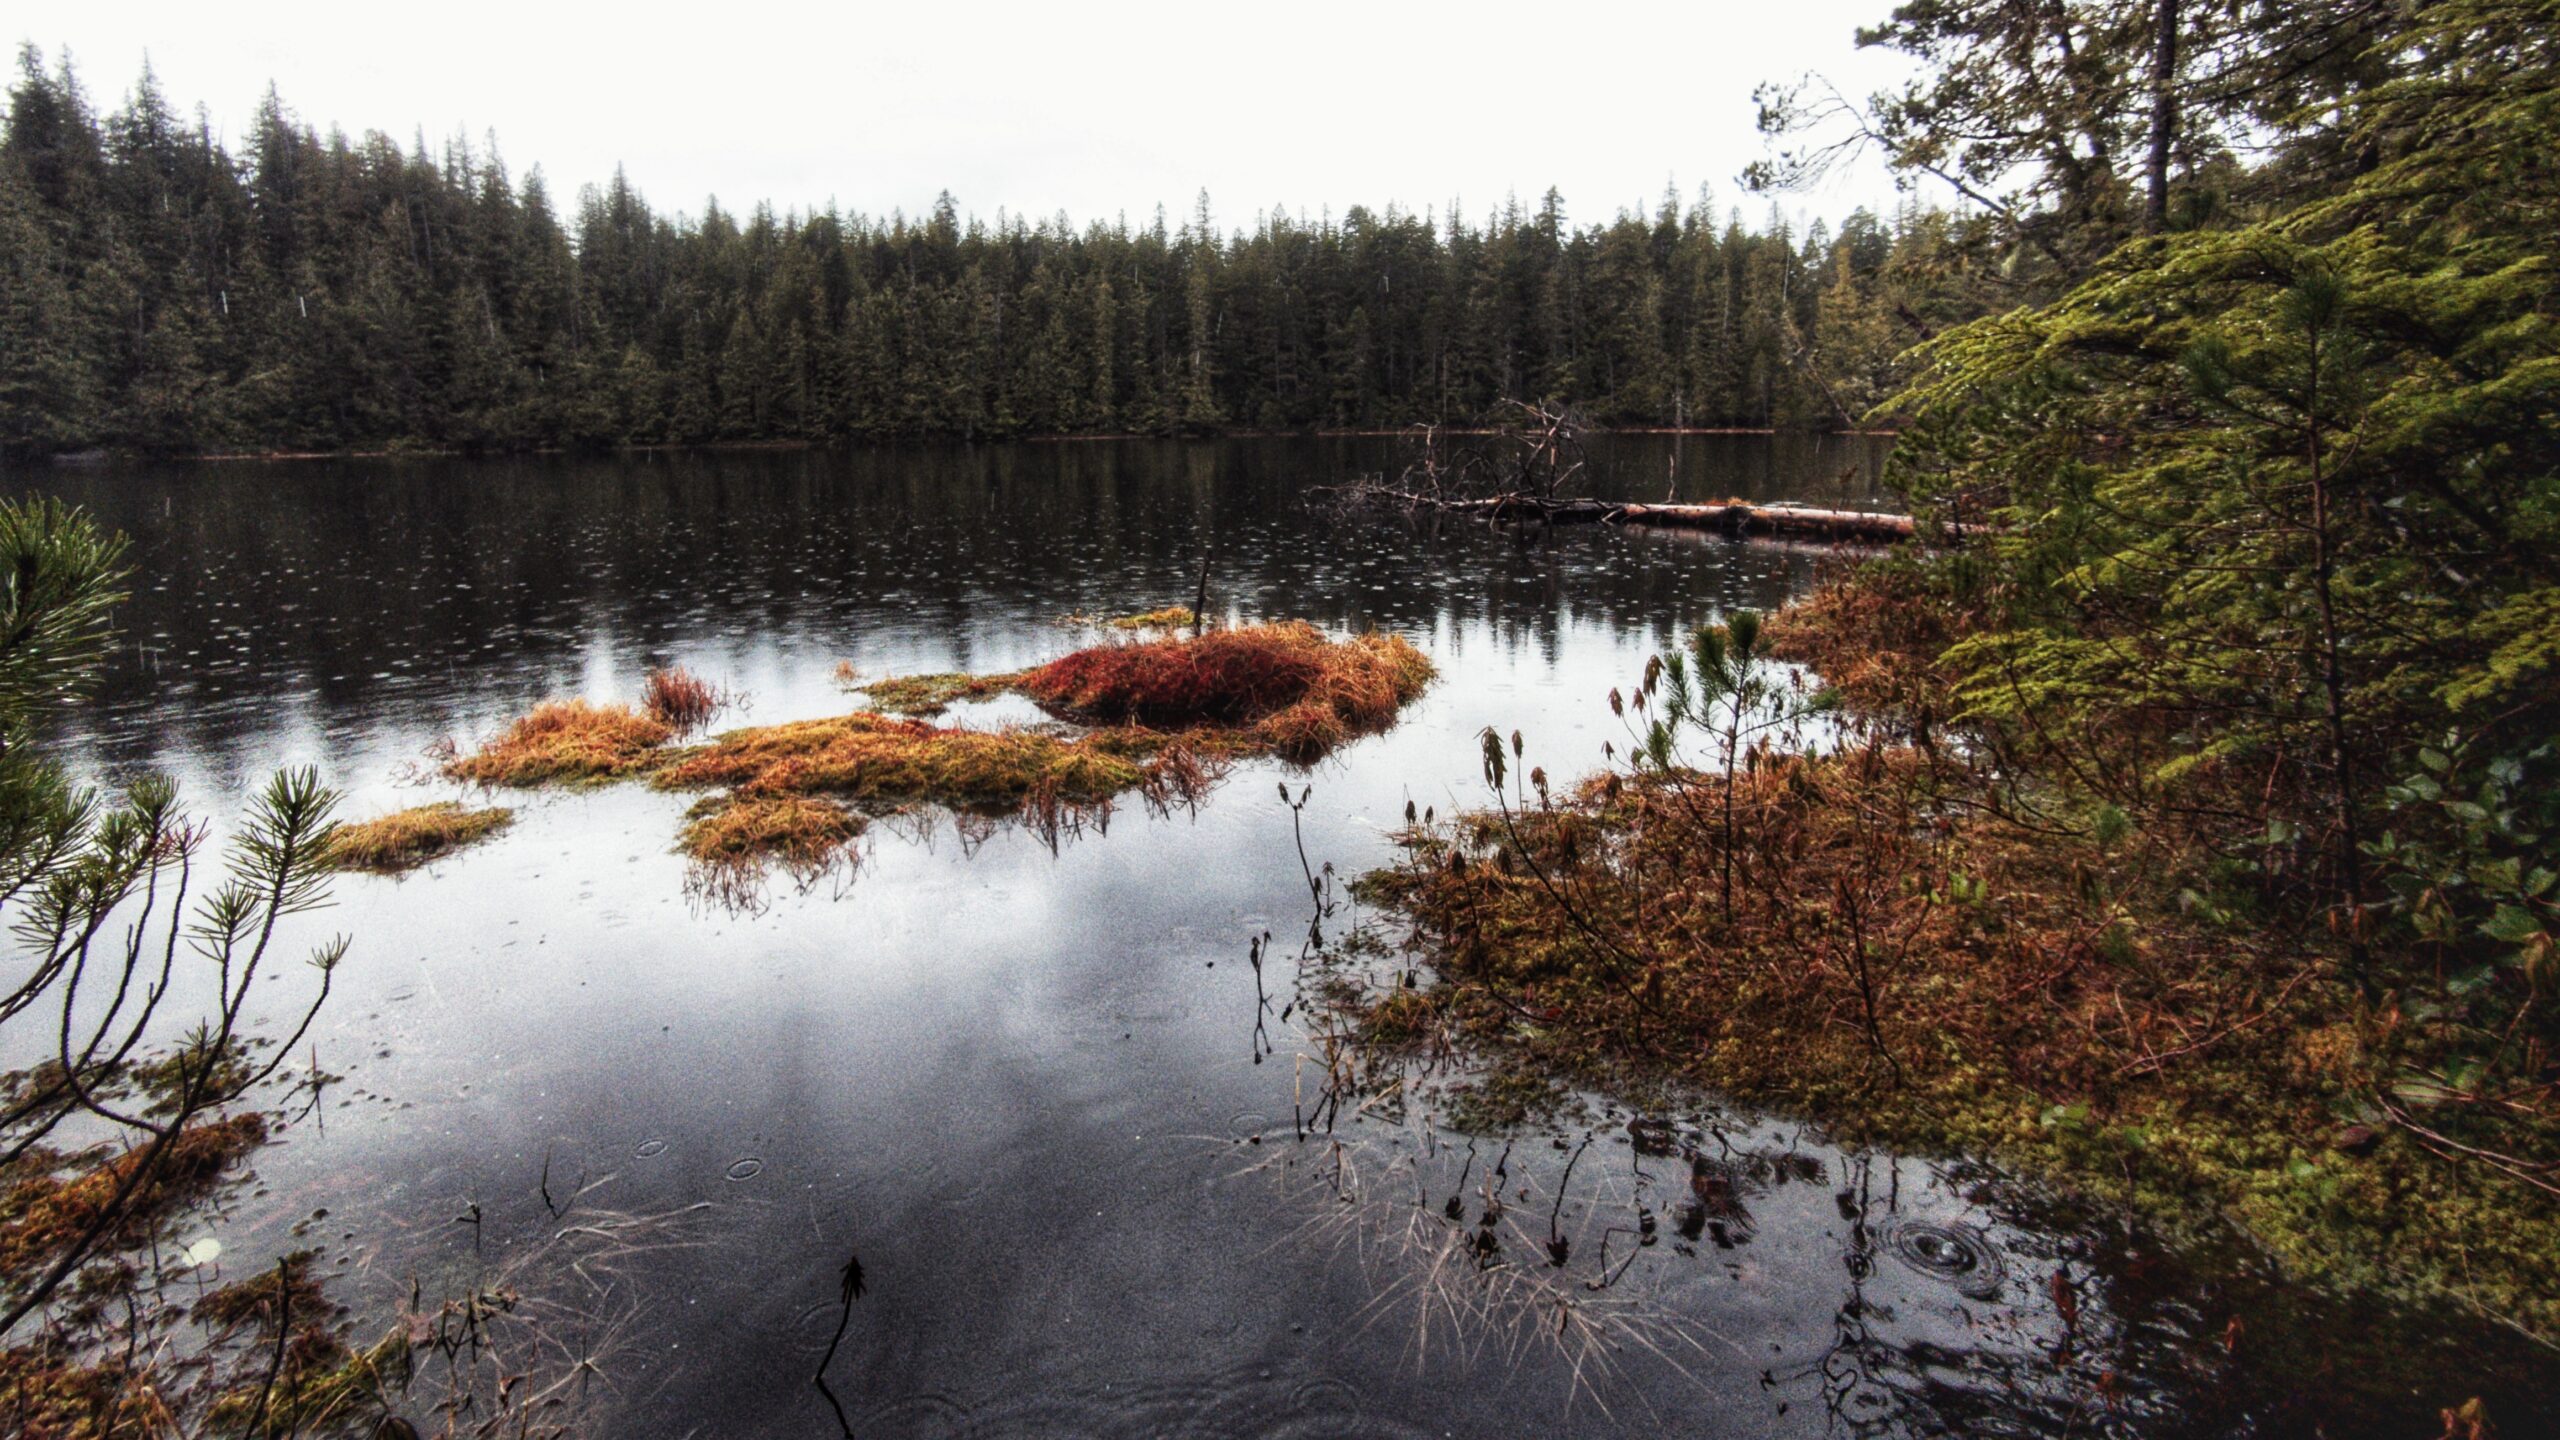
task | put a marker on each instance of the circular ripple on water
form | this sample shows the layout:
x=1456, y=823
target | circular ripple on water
x=814, y=1329
x=925, y=1413
x=1324, y=1395
x=651, y=1149
x=1956, y=1254
x=1338, y=1426
x=745, y=1167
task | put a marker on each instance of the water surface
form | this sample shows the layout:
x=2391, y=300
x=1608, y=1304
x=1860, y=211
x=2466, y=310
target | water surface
x=1038, y=1091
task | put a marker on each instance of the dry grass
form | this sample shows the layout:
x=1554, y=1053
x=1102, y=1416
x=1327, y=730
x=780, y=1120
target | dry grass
x=1172, y=617
x=566, y=740
x=921, y=695
x=1159, y=718
x=734, y=841
x=1918, y=951
x=878, y=760
x=794, y=829
x=48, y=1200
x=681, y=700
x=406, y=839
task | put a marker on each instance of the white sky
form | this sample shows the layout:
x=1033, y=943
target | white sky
x=1095, y=107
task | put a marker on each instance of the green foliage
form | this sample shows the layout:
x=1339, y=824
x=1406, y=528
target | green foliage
x=2218, y=435
x=2271, y=512
x=97, y=889
x=2471, y=866
x=2077, y=126
x=59, y=579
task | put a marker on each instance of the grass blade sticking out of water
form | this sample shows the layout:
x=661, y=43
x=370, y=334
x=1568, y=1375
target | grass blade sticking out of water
x=1469, y=1291
x=534, y=1345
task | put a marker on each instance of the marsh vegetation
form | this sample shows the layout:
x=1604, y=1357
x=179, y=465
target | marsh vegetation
x=1162, y=718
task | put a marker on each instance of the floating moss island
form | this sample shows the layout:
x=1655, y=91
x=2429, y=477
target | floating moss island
x=1160, y=718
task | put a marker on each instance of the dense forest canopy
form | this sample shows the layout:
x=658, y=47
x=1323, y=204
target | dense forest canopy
x=159, y=292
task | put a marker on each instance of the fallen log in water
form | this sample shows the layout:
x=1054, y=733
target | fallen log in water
x=1733, y=517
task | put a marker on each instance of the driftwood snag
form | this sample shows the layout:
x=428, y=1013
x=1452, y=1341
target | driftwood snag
x=1733, y=517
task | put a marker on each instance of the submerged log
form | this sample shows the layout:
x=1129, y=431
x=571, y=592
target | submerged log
x=1731, y=517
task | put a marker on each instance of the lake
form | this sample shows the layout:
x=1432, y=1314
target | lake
x=1042, y=1092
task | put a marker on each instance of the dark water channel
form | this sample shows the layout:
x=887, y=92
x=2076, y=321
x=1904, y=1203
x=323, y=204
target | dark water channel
x=1027, y=1087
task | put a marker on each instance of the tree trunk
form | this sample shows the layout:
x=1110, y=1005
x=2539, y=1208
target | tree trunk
x=2164, y=118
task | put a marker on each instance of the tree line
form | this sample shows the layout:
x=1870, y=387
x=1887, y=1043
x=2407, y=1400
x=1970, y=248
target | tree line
x=160, y=293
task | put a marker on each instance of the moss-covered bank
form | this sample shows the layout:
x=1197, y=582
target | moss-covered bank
x=1916, y=949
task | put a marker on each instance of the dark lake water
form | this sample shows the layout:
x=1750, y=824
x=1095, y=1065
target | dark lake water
x=1028, y=1086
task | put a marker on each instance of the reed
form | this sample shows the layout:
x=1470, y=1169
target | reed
x=681, y=700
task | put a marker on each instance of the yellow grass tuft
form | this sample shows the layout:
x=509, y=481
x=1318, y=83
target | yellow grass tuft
x=733, y=840
x=923, y=694
x=1172, y=617
x=406, y=839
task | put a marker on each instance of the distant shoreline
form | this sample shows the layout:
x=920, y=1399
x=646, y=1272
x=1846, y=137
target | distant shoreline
x=102, y=457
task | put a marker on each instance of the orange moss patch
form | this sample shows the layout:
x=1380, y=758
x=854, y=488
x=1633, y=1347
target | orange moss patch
x=879, y=760
x=44, y=1209
x=406, y=839
x=1289, y=687
x=802, y=833
x=566, y=740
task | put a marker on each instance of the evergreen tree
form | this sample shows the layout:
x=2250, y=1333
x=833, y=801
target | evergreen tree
x=159, y=293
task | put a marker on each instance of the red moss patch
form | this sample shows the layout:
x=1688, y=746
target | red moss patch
x=1291, y=687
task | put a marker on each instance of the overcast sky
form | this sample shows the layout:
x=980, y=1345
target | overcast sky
x=1091, y=108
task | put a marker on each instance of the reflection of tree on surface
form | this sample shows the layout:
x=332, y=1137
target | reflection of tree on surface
x=1951, y=1319
x=1936, y=1355
x=327, y=594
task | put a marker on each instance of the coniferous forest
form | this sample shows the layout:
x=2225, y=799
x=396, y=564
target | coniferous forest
x=315, y=291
